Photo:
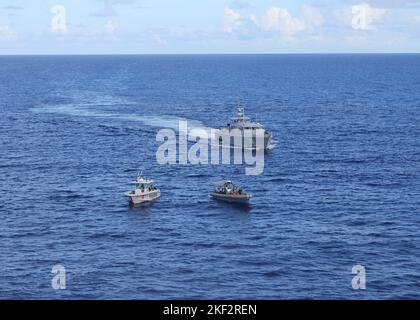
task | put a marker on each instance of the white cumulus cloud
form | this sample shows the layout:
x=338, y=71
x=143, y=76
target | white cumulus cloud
x=282, y=22
x=6, y=32
x=280, y=19
x=231, y=20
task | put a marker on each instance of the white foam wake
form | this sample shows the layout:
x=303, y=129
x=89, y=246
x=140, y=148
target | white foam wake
x=157, y=121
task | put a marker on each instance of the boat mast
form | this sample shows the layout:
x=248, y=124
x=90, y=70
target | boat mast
x=240, y=111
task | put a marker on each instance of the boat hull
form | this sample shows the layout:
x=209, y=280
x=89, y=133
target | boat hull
x=241, y=198
x=247, y=141
x=136, y=199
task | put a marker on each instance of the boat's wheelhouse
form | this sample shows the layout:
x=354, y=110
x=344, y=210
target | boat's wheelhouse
x=144, y=185
x=242, y=122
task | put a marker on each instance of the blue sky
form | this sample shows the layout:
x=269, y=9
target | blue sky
x=208, y=26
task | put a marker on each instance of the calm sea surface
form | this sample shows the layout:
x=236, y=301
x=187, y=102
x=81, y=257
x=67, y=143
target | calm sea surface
x=341, y=188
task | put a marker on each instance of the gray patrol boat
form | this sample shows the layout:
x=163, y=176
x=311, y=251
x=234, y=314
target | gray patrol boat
x=242, y=127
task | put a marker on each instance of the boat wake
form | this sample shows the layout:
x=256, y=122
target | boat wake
x=156, y=121
x=272, y=145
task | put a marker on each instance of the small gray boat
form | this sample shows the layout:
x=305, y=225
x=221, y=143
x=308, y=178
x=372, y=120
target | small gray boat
x=226, y=191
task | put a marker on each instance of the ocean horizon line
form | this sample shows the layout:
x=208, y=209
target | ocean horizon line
x=213, y=54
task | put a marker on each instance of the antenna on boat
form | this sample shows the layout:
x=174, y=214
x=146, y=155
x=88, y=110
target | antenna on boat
x=240, y=111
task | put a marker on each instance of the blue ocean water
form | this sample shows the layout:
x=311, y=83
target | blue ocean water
x=341, y=188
